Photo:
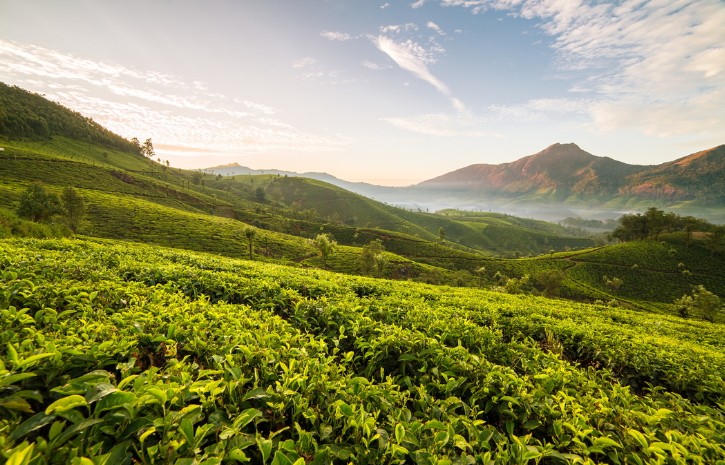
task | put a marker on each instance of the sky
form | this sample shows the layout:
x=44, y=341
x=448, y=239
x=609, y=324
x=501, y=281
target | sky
x=388, y=92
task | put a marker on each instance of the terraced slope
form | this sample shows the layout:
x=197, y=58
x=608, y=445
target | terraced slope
x=120, y=353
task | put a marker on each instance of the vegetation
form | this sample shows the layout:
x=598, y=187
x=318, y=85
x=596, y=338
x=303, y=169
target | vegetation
x=118, y=352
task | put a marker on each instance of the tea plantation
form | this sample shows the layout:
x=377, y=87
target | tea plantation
x=116, y=353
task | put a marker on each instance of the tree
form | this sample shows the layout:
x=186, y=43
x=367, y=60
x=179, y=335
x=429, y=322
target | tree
x=259, y=194
x=654, y=221
x=442, y=235
x=714, y=239
x=37, y=204
x=249, y=233
x=277, y=195
x=370, y=256
x=196, y=177
x=703, y=300
x=480, y=272
x=148, y=148
x=613, y=284
x=551, y=280
x=690, y=223
x=325, y=247
x=74, y=207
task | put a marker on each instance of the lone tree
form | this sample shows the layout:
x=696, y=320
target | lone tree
x=325, y=247
x=371, y=256
x=702, y=299
x=551, y=280
x=442, y=235
x=37, y=204
x=74, y=207
x=613, y=284
x=250, y=232
x=277, y=195
x=196, y=177
x=148, y=148
x=481, y=272
x=259, y=194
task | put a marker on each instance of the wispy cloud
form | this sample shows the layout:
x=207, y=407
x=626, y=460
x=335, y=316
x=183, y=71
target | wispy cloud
x=413, y=57
x=435, y=27
x=375, y=66
x=468, y=124
x=304, y=62
x=150, y=104
x=441, y=125
x=652, y=65
x=382, y=7
x=336, y=35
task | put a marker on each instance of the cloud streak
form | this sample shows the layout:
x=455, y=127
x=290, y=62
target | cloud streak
x=412, y=57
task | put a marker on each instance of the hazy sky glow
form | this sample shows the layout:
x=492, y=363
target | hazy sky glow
x=388, y=92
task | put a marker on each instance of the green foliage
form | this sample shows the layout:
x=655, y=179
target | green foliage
x=74, y=207
x=196, y=177
x=702, y=301
x=115, y=352
x=551, y=281
x=325, y=246
x=37, y=204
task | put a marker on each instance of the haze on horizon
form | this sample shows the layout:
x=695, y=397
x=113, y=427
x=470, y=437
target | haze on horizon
x=388, y=92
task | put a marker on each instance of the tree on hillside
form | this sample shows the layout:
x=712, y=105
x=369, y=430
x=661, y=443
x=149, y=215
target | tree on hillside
x=325, y=247
x=74, y=207
x=249, y=233
x=654, y=222
x=277, y=195
x=37, y=204
x=690, y=224
x=196, y=177
x=551, y=281
x=703, y=300
x=370, y=255
x=442, y=235
x=480, y=272
x=148, y=148
x=613, y=284
x=714, y=239
x=259, y=194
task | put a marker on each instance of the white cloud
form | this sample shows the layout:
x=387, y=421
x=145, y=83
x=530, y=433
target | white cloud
x=375, y=66
x=336, y=35
x=435, y=27
x=149, y=104
x=382, y=7
x=304, y=62
x=399, y=28
x=413, y=57
x=657, y=66
x=441, y=125
x=417, y=4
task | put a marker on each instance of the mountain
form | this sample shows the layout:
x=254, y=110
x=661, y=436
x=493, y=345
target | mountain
x=560, y=166
x=565, y=176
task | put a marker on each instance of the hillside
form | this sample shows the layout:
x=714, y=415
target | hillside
x=27, y=115
x=121, y=353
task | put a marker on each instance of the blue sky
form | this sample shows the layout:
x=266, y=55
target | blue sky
x=391, y=92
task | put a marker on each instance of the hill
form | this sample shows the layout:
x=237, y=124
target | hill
x=565, y=176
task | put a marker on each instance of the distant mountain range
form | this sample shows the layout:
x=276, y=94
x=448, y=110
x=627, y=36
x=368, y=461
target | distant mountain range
x=561, y=180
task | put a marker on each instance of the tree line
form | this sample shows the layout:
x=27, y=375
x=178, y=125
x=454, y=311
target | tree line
x=653, y=222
